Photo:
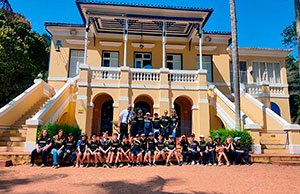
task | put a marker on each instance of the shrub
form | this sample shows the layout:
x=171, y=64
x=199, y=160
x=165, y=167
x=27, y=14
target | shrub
x=246, y=139
x=54, y=128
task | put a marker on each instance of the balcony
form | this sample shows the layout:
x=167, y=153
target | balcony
x=141, y=78
x=266, y=89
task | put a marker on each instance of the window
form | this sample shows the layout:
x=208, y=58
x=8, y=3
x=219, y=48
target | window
x=207, y=64
x=110, y=59
x=76, y=58
x=266, y=71
x=243, y=72
x=174, y=61
x=142, y=60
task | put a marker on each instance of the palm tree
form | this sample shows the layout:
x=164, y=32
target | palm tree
x=297, y=9
x=235, y=65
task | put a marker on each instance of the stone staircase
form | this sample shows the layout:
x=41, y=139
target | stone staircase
x=274, y=143
x=13, y=137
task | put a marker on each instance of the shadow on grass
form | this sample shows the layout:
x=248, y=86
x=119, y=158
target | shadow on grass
x=154, y=185
x=7, y=184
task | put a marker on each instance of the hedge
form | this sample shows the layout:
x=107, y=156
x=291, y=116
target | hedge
x=54, y=128
x=246, y=139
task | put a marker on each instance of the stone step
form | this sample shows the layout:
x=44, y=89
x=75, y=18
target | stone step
x=11, y=143
x=275, y=151
x=11, y=149
x=12, y=138
x=7, y=134
x=270, y=158
x=18, y=158
x=286, y=163
x=5, y=163
x=267, y=146
x=270, y=141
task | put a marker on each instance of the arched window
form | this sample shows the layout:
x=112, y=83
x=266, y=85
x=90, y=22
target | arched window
x=275, y=108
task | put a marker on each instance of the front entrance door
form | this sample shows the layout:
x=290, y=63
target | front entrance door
x=106, y=117
x=142, y=105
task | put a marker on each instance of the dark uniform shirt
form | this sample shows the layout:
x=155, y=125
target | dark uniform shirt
x=237, y=146
x=115, y=144
x=136, y=145
x=151, y=144
x=93, y=145
x=156, y=123
x=173, y=121
x=194, y=144
x=165, y=122
x=170, y=145
x=140, y=124
x=202, y=146
x=82, y=145
x=160, y=145
x=184, y=146
x=126, y=146
x=42, y=142
x=144, y=144
x=211, y=145
x=57, y=142
x=70, y=145
x=133, y=124
x=147, y=123
x=104, y=143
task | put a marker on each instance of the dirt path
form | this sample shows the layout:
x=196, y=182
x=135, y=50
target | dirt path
x=258, y=178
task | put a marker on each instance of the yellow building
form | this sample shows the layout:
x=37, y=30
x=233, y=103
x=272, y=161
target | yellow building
x=156, y=58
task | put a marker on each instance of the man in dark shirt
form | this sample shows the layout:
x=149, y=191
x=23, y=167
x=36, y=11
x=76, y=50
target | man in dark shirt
x=125, y=151
x=147, y=124
x=184, y=149
x=156, y=125
x=194, y=149
x=42, y=147
x=70, y=146
x=93, y=148
x=210, y=147
x=241, y=152
x=203, y=151
x=150, y=148
x=136, y=151
x=104, y=149
x=114, y=149
x=133, y=125
x=140, y=122
x=174, y=121
x=165, y=125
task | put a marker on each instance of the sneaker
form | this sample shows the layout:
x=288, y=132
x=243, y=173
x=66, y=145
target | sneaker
x=154, y=163
x=179, y=163
x=55, y=166
x=198, y=163
x=81, y=165
x=209, y=164
x=215, y=164
x=228, y=163
x=43, y=165
x=104, y=165
x=109, y=165
x=96, y=165
x=185, y=163
x=87, y=165
x=193, y=163
x=167, y=163
x=219, y=163
x=202, y=164
x=31, y=165
x=128, y=164
x=115, y=166
x=121, y=165
x=149, y=164
x=140, y=165
x=77, y=165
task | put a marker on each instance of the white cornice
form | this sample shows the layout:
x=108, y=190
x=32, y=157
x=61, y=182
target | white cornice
x=146, y=45
x=262, y=52
x=109, y=43
x=76, y=41
x=207, y=48
x=175, y=46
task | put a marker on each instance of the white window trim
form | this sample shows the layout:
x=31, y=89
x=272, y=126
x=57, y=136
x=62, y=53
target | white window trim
x=172, y=61
x=109, y=58
x=142, y=59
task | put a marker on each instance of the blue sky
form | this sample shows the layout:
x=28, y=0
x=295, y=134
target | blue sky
x=260, y=22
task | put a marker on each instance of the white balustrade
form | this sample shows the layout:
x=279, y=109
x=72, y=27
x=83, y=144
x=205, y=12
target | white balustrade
x=276, y=90
x=183, y=76
x=104, y=73
x=144, y=74
x=254, y=89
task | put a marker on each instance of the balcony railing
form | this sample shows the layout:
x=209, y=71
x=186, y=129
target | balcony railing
x=144, y=74
x=183, y=76
x=105, y=73
x=262, y=89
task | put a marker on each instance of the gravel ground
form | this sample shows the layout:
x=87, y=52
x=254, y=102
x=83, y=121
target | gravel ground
x=258, y=178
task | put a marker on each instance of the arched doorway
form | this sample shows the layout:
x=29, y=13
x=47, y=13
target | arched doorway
x=103, y=114
x=275, y=108
x=144, y=103
x=183, y=106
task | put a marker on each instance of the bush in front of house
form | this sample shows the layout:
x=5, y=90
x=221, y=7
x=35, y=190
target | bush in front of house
x=246, y=139
x=54, y=128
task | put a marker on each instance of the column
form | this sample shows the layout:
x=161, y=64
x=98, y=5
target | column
x=86, y=39
x=200, y=46
x=125, y=37
x=163, y=45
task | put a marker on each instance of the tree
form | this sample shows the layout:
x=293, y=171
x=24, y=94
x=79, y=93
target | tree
x=297, y=9
x=235, y=65
x=23, y=55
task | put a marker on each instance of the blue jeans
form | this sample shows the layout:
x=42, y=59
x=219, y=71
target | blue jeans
x=56, y=155
x=212, y=157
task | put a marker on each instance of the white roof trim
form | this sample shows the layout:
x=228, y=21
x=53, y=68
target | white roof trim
x=76, y=41
x=108, y=43
x=262, y=52
x=206, y=48
x=146, y=45
x=175, y=46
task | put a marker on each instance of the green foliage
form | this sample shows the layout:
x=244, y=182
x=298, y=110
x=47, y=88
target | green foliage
x=289, y=35
x=23, y=55
x=246, y=139
x=54, y=128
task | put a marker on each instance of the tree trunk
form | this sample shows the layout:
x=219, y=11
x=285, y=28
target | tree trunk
x=297, y=9
x=236, y=66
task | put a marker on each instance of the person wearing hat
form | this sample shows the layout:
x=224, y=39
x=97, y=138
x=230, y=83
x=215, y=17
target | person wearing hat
x=133, y=125
x=193, y=148
x=147, y=124
x=165, y=125
x=104, y=149
x=160, y=149
x=114, y=150
x=123, y=121
x=203, y=151
x=242, y=153
x=156, y=125
x=93, y=149
x=70, y=146
x=174, y=120
x=125, y=151
x=184, y=149
x=210, y=148
x=140, y=122
x=81, y=150
x=136, y=151
x=171, y=151
x=150, y=148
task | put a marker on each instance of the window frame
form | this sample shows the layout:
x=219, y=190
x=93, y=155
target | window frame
x=273, y=64
x=212, y=65
x=134, y=58
x=247, y=71
x=103, y=51
x=181, y=62
x=70, y=51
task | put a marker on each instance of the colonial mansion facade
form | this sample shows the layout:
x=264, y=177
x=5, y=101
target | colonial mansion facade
x=156, y=58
